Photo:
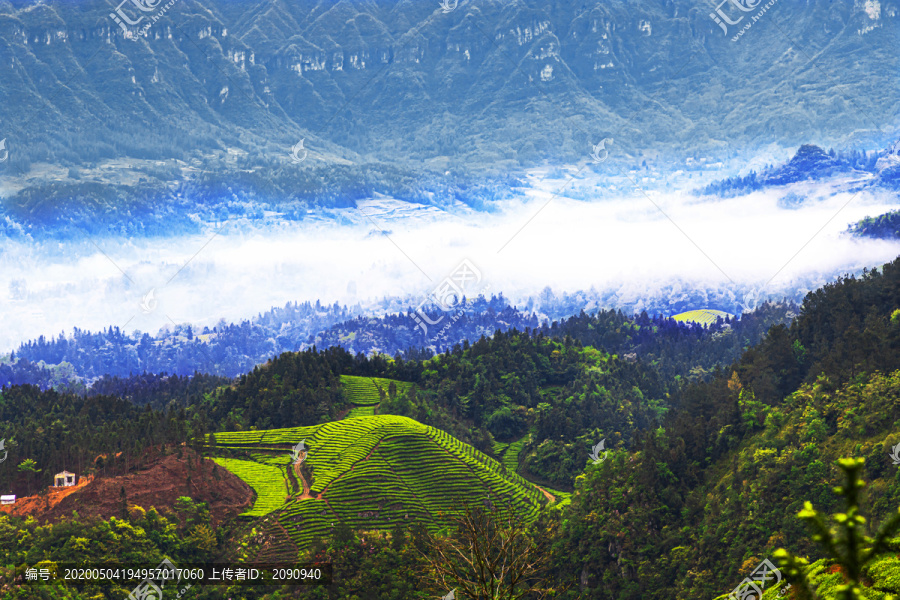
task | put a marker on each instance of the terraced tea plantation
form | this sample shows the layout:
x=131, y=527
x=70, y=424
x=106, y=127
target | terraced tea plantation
x=366, y=393
x=509, y=453
x=509, y=458
x=374, y=472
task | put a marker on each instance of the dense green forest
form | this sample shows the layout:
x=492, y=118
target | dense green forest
x=47, y=432
x=678, y=350
x=703, y=479
x=885, y=227
x=606, y=400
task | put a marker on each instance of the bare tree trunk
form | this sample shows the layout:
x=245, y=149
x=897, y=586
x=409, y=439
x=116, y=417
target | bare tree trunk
x=493, y=554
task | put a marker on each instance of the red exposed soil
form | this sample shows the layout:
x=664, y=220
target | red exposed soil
x=159, y=483
x=548, y=495
x=36, y=504
x=305, y=494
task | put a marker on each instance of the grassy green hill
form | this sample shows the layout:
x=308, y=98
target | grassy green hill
x=371, y=473
x=703, y=316
x=267, y=481
x=704, y=479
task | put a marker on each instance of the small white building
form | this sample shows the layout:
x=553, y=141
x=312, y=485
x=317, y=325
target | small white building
x=64, y=479
x=10, y=499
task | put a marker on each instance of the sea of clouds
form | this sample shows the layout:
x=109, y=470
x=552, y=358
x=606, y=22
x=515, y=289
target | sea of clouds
x=633, y=241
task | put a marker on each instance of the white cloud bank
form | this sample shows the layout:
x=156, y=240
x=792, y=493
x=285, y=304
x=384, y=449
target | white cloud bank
x=622, y=241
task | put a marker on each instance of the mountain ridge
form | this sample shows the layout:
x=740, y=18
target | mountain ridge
x=258, y=79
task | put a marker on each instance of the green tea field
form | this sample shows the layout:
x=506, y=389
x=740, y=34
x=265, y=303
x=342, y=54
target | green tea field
x=370, y=472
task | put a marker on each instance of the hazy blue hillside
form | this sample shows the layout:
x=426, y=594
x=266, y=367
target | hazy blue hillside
x=401, y=81
x=876, y=170
x=85, y=360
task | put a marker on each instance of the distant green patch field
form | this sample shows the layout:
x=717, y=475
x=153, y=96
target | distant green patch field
x=373, y=472
x=509, y=453
x=704, y=316
x=364, y=391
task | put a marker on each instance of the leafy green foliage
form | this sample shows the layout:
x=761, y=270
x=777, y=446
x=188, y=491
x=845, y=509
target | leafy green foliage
x=557, y=387
x=145, y=537
x=738, y=455
x=292, y=389
x=675, y=349
x=846, y=542
x=701, y=479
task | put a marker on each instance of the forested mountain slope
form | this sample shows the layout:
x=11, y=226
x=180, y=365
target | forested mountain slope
x=737, y=456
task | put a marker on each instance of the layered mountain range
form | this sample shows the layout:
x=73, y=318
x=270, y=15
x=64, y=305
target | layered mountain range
x=233, y=84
